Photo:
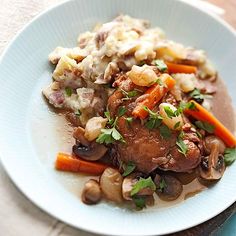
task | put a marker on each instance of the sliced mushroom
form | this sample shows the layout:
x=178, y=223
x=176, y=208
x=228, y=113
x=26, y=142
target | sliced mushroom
x=212, y=167
x=90, y=151
x=92, y=193
x=128, y=184
x=111, y=184
x=168, y=187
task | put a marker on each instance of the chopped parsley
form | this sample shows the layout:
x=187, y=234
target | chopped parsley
x=199, y=134
x=78, y=113
x=165, y=131
x=139, y=201
x=190, y=106
x=205, y=126
x=154, y=120
x=130, y=94
x=169, y=112
x=197, y=96
x=229, y=156
x=108, y=136
x=183, y=106
x=141, y=184
x=128, y=168
x=108, y=116
x=176, y=126
x=121, y=111
x=68, y=91
x=129, y=120
x=182, y=147
x=161, y=66
x=162, y=185
x=111, y=135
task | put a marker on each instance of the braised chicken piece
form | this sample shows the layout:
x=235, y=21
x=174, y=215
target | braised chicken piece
x=147, y=148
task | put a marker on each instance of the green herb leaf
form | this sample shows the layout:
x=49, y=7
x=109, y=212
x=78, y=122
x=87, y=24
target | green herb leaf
x=68, y=91
x=229, y=156
x=105, y=137
x=165, y=131
x=190, y=106
x=129, y=94
x=199, y=134
x=108, y=136
x=121, y=111
x=197, y=96
x=181, y=134
x=140, y=202
x=183, y=106
x=161, y=66
x=108, y=116
x=133, y=93
x=116, y=135
x=128, y=168
x=176, y=126
x=205, y=126
x=182, y=147
x=170, y=113
x=129, y=120
x=159, y=81
x=162, y=185
x=78, y=113
x=154, y=120
x=153, y=123
x=141, y=184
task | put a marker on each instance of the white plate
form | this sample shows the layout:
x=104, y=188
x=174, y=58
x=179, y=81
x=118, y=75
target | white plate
x=29, y=141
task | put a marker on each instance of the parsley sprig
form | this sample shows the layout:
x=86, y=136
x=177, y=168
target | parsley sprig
x=130, y=94
x=182, y=147
x=141, y=184
x=182, y=106
x=110, y=135
x=154, y=120
x=128, y=168
x=139, y=201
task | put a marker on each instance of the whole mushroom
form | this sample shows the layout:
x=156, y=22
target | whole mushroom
x=212, y=166
x=92, y=193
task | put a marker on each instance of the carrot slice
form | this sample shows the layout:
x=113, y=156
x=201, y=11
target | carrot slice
x=155, y=92
x=66, y=162
x=179, y=68
x=201, y=114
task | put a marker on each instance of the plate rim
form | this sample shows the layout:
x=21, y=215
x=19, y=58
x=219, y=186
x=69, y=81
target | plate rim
x=20, y=186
